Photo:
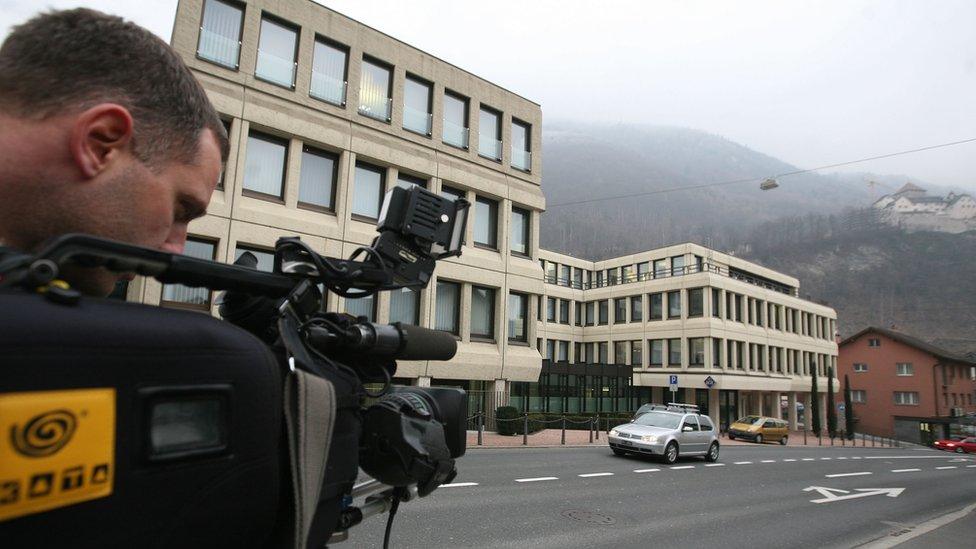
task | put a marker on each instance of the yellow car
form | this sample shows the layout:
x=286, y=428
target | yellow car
x=760, y=429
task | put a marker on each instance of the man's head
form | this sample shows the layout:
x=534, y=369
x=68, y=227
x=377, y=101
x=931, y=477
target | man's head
x=103, y=130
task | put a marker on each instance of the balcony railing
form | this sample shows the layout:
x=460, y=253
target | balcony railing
x=417, y=121
x=276, y=69
x=676, y=271
x=378, y=109
x=328, y=88
x=521, y=159
x=219, y=49
x=455, y=135
x=489, y=147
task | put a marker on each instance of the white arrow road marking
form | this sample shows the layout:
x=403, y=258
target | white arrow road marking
x=831, y=494
x=849, y=474
x=535, y=479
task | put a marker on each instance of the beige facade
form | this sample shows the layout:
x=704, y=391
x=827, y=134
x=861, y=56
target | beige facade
x=734, y=321
x=251, y=104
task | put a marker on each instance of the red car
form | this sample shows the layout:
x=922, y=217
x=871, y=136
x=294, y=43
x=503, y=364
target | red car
x=966, y=445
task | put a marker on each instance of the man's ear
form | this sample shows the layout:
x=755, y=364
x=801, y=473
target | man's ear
x=99, y=136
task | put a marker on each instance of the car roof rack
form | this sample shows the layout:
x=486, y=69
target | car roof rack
x=686, y=408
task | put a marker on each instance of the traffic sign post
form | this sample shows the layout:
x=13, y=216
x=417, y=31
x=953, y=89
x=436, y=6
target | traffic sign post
x=709, y=382
x=673, y=383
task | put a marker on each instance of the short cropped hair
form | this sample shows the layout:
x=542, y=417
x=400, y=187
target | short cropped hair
x=62, y=61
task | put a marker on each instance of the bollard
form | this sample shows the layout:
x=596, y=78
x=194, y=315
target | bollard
x=564, y=430
x=831, y=437
x=819, y=438
x=842, y=442
x=872, y=441
x=481, y=427
x=591, y=430
x=525, y=430
x=864, y=441
x=598, y=426
x=804, y=436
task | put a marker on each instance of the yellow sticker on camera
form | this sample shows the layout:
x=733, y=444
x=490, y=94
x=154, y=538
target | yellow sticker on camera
x=57, y=448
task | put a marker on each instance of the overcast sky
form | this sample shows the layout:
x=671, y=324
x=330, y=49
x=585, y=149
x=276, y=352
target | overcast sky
x=812, y=83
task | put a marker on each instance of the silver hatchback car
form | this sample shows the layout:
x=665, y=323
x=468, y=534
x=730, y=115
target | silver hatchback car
x=667, y=434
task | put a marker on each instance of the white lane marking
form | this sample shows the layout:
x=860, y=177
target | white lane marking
x=826, y=459
x=904, y=470
x=808, y=459
x=535, y=479
x=646, y=470
x=971, y=466
x=908, y=457
x=743, y=462
x=861, y=473
x=856, y=457
x=723, y=465
x=458, y=484
x=831, y=494
x=587, y=475
x=947, y=467
x=842, y=457
x=768, y=461
x=682, y=467
x=789, y=459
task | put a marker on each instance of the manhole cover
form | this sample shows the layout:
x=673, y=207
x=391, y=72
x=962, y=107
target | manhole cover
x=588, y=516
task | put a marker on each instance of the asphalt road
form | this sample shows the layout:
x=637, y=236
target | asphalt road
x=757, y=496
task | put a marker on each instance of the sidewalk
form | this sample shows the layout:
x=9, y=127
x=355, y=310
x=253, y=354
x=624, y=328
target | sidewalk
x=552, y=438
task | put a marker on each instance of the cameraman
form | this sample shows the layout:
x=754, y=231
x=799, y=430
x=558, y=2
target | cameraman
x=103, y=130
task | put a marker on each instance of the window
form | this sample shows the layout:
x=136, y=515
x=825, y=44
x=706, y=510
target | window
x=627, y=274
x=264, y=167
x=905, y=369
x=620, y=352
x=520, y=232
x=178, y=295
x=872, y=342
x=674, y=304
x=363, y=306
x=635, y=353
x=643, y=270
x=716, y=352
x=277, y=51
x=375, y=90
x=656, y=306
x=563, y=355
x=716, y=303
x=860, y=367
x=416, y=105
x=551, y=272
x=637, y=308
x=660, y=268
x=578, y=313
x=590, y=313
x=521, y=142
x=674, y=352
x=620, y=310
x=706, y=424
x=551, y=309
x=563, y=311
x=406, y=181
x=330, y=63
x=220, y=33
x=550, y=349
x=455, y=120
x=690, y=424
x=696, y=302
x=760, y=308
x=316, y=187
x=367, y=193
x=265, y=259
x=604, y=312
x=612, y=276
x=696, y=351
x=405, y=306
x=517, y=315
x=486, y=223
x=678, y=265
x=482, y=312
x=564, y=275
x=577, y=278
x=729, y=304
x=489, y=133
x=579, y=350
x=749, y=318
x=447, y=306
x=738, y=308
x=657, y=351
x=908, y=398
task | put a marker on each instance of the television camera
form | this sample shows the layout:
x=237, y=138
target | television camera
x=130, y=425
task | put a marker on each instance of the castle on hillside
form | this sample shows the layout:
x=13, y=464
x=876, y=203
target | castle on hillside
x=912, y=208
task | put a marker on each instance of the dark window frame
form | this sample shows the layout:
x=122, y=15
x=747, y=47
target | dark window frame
x=528, y=143
x=429, y=134
x=493, y=228
x=269, y=138
x=487, y=338
x=335, y=157
x=457, y=309
x=701, y=303
x=345, y=70
x=210, y=294
x=524, y=300
x=467, y=119
x=367, y=58
x=373, y=168
x=298, y=40
x=498, y=132
x=240, y=34
x=527, y=233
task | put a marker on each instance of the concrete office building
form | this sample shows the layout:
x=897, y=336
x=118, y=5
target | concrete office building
x=325, y=113
x=736, y=334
